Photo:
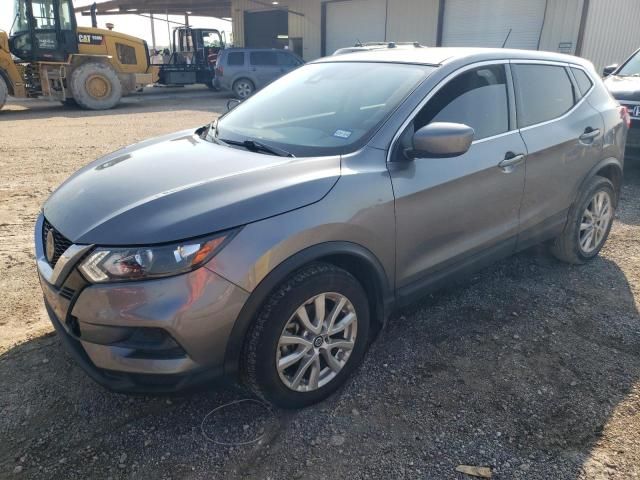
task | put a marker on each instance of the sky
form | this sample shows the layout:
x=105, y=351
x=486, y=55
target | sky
x=130, y=24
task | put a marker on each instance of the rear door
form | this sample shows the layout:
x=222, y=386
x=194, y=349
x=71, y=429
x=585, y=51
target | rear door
x=564, y=137
x=264, y=66
x=232, y=64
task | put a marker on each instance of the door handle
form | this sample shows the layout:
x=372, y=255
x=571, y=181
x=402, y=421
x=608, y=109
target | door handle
x=589, y=134
x=510, y=161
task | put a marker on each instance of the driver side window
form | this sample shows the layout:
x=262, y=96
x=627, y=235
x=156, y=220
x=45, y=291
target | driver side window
x=477, y=98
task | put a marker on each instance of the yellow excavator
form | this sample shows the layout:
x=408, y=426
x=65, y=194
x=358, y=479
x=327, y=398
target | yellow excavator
x=47, y=55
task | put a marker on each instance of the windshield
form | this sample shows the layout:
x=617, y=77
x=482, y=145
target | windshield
x=632, y=67
x=21, y=19
x=323, y=108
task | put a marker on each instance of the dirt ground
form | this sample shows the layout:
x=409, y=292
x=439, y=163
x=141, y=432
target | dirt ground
x=531, y=367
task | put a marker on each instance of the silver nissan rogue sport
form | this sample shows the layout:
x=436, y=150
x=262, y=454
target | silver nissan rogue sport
x=273, y=243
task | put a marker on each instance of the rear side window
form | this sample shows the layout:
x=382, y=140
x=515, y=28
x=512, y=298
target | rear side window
x=478, y=98
x=543, y=92
x=235, y=58
x=263, y=58
x=584, y=82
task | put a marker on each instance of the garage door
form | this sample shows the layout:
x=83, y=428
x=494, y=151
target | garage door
x=354, y=21
x=487, y=23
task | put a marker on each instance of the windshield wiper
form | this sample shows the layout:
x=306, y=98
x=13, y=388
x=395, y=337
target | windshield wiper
x=256, y=146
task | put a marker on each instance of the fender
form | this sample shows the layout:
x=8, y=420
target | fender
x=604, y=163
x=384, y=297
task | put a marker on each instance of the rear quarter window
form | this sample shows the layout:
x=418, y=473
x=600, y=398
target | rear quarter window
x=583, y=80
x=543, y=93
x=235, y=58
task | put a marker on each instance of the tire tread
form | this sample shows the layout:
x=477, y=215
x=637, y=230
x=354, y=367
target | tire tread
x=249, y=360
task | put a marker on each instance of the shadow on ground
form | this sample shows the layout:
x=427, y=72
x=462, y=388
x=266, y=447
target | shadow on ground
x=524, y=368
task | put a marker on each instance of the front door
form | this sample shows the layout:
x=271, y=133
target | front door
x=454, y=212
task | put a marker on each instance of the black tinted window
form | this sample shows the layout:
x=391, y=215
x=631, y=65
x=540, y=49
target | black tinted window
x=126, y=54
x=584, y=82
x=287, y=60
x=263, y=58
x=235, y=58
x=543, y=92
x=478, y=98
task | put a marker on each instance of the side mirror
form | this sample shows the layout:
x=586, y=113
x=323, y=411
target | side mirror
x=440, y=139
x=232, y=103
x=609, y=70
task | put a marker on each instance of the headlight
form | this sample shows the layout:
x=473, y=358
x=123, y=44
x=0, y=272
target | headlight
x=107, y=264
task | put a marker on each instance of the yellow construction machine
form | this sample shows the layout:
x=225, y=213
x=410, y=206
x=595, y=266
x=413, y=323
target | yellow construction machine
x=47, y=55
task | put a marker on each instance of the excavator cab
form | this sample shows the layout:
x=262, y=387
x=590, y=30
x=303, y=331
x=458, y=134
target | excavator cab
x=44, y=30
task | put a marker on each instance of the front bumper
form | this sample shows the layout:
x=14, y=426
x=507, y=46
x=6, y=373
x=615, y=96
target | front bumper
x=154, y=335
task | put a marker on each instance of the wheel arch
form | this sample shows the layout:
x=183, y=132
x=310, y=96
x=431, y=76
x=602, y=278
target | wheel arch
x=609, y=168
x=354, y=258
x=243, y=77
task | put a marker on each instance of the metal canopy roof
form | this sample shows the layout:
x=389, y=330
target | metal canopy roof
x=207, y=8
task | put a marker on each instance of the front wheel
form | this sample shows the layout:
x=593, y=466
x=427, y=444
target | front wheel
x=589, y=223
x=96, y=86
x=308, y=338
x=4, y=92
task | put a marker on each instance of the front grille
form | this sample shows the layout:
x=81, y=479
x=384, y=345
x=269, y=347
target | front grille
x=67, y=293
x=60, y=242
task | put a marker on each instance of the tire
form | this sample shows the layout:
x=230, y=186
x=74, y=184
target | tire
x=243, y=88
x=70, y=103
x=4, y=92
x=574, y=245
x=96, y=86
x=265, y=344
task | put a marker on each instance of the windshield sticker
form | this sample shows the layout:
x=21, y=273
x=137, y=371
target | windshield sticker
x=342, y=133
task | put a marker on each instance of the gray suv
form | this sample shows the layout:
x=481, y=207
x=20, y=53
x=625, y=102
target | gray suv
x=245, y=70
x=272, y=244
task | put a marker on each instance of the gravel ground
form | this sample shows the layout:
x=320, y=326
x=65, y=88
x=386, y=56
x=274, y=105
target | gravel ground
x=531, y=367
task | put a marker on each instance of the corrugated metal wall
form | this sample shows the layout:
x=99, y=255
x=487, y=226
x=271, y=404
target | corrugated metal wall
x=413, y=21
x=408, y=21
x=561, y=26
x=305, y=21
x=612, y=32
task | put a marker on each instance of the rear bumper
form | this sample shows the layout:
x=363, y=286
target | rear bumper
x=633, y=135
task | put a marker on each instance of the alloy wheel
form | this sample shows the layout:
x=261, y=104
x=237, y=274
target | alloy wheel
x=243, y=89
x=316, y=342
x=595, y=222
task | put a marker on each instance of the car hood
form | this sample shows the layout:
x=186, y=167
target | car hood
x=624, y=88
x=180, y=186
